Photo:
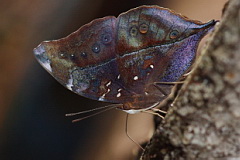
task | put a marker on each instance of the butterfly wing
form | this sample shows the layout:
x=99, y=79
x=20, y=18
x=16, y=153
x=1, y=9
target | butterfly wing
x=118, y=59
x=85, y=61
x=155, y=44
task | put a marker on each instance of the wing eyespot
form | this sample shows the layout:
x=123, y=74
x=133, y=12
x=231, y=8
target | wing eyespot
x=106, y=38
x=133, y=31
x=96, y=48
x=173, y=34
x=143, y=28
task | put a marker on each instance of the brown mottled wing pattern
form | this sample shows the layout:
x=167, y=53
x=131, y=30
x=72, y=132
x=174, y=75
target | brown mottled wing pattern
x=118, y=59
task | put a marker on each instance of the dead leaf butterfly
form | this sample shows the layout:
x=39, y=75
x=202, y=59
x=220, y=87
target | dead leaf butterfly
x=123, y=60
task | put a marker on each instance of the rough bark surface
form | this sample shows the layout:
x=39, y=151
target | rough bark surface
x=204, y=122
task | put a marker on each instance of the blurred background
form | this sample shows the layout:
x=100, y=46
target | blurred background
x=33, y=104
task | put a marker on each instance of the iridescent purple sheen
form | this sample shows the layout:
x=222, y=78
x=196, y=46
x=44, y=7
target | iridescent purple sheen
x=118, y=60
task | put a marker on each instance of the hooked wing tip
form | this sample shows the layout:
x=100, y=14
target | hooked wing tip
x=209, y=25
x=41, y=55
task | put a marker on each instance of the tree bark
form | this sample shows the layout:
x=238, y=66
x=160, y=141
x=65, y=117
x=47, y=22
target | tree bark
x=204, y=122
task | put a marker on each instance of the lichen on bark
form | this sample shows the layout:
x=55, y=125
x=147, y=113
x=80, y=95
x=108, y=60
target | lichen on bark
x=204, y=122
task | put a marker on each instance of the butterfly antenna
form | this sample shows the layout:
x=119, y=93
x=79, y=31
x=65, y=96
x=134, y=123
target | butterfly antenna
x=126, y=131
x=79, y=119
x=106, y=109
x=91, y=110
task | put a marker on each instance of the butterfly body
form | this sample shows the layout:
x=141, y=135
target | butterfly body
x=118, y=60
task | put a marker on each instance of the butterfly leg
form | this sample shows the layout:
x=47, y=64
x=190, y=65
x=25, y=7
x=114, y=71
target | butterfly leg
x=158, y=110
x=126, y=131
x=187, y=74
x=154, y=113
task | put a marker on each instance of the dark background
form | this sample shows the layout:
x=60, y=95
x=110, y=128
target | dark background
x=33, y=104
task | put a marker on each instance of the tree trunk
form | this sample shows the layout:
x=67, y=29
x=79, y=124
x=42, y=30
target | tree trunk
x=204, y=122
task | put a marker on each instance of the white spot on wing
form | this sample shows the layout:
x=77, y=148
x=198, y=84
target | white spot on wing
x=118, y=77
x=102, y=97
x=70, y=83
x=135, y=78
x=46, y=65
x=104, y=94
x=119, y=95
x=151, y=66
x=109, y=83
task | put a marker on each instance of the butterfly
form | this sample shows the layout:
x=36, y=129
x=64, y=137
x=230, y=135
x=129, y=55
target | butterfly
x=126, y=60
